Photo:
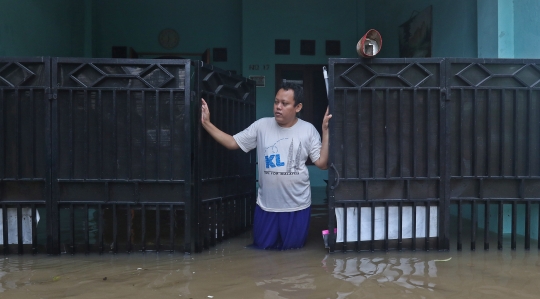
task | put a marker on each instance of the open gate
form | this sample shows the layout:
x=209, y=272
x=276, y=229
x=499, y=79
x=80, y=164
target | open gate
x=103, y=155
x=420, y=146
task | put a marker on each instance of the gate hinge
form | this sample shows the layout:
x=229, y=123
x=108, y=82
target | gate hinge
x=51, y=94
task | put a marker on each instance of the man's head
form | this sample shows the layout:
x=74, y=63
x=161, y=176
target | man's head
x=297, y=89
x=287, y=104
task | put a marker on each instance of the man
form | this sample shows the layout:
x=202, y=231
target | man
x=283, y=142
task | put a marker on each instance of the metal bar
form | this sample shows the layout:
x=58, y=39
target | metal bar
x=400, y=226
x=33, y=152
x=86, y=230
x=500, y=227
x=145, y=136
x=387, y=222
x=413, y=244
x=220, y=221
x=171, y=135
x=386, y=143
x=474, y=224
x=143, y=228
x=344, y=248
x=17, y=126
x=72, y=228
x=100, y=135
x=400, y=134
x=427, y=136
x=129, y=135
x=515, y=137
x=413, y=134
x=5, y=229
x=52, y=191
x=444, y=144
x=528, y=133
x=172, y=221
x=345, y=147
x=371, y=137
x=2, y=139
x=213, y=224
x=71, y=137
x=460, y=226
x=502, y=136
x=100, y=229
x=115, y=229
x=86, y=137
x=115, y=135
x=488, y=132
x=358, y=133
x=372, y=240
x=487, y=214
x=528, y=225
x=462, y=121
x=158, y=137
x=427, y=222
x=474, y=153
x=129, y=214
x=514, y=225
x=19, y=230
x=358, y=225
x=34, y=228
x=158, y=227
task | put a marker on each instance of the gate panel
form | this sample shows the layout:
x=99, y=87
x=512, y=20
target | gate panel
x=226, y=186
x=385, y=149
x=24, y=144
x=494, y=112
x=121, y=134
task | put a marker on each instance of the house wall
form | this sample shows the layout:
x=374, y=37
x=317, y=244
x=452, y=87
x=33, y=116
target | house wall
x=42, y=28
x=453, y=23
x=526, y=29
x=201, y=24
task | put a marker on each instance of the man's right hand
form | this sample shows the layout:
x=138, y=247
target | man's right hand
x=205, y=112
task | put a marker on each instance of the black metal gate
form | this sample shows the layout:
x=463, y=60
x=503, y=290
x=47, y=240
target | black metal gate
x=415, y=140
x=107, y=151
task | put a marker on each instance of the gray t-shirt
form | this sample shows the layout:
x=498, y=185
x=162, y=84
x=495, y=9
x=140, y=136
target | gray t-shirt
x=282, y=154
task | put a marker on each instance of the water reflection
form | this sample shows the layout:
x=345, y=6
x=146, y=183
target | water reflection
x=409, y=273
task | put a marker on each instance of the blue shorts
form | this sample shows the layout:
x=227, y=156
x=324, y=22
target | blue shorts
x=280, y=230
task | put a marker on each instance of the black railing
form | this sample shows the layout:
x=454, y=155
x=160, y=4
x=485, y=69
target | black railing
x=107, y=151
x=442, y=134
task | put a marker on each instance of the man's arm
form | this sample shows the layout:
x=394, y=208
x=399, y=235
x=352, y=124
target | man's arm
x=322, y=162
x=221, y=137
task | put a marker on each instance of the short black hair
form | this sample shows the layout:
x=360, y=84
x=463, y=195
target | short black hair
x=297, y=89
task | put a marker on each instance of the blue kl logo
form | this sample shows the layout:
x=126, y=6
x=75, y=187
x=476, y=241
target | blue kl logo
x=270, y=161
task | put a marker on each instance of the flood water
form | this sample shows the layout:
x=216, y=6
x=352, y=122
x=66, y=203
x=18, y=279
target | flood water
x=232, y=270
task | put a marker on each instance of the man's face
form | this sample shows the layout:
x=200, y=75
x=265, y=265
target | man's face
x=284, y=108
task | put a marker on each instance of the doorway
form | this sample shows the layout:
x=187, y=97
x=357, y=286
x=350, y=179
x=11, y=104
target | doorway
x=310, y=76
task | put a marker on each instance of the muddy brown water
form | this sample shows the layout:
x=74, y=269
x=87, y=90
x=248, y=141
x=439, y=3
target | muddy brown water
x=232, y=270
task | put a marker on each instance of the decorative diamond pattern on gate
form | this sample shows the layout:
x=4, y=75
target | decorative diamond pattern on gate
x=359, y=73
x=87, y=75
x=474, y=74
x=156, y=76
x=529, y=75
x=484, y=75
x=362, y=75
x=15, y=74
x=414, y=74
x=224, y=86
x=92, y=75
